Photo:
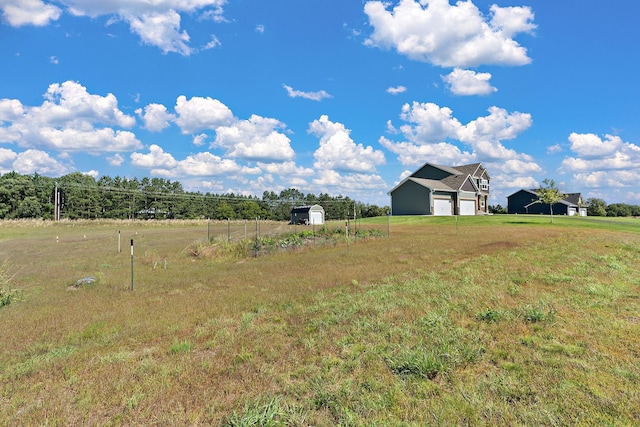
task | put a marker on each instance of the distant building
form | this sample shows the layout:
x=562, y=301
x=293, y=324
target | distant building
x=442, y=190
x=313, y=214
x=526, y=202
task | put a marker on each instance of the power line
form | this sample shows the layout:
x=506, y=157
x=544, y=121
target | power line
x=192, y=195
x=94, y=199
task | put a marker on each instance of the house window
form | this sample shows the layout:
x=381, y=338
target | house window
x=484, y=184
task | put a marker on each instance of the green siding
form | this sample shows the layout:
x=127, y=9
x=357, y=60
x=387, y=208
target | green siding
x=411, y=199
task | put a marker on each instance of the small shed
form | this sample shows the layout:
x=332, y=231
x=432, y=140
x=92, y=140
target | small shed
x=312, y=214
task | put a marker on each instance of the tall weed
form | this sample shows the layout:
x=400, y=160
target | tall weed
x=271, y=413
x=7, y=295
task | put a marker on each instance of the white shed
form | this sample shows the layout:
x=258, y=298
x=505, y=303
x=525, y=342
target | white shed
x=313, y=214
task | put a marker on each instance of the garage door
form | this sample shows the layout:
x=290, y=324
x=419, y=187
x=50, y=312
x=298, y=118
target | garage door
x=442, y=207
x=467, y=207
x=316, y=218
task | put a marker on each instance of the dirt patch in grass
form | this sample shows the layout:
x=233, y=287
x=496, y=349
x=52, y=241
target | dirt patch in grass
x=496, y=246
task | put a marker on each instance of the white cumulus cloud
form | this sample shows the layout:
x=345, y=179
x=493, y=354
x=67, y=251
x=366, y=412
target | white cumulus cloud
x=6, y=159
x=468, y=82
x=10, y=110
x=330, y=180
x=433, y=134
x=116, y=160
x=338, y=151
x=161, y=29
x=156, y=158
x=200, y=139
x=618, y=160
x=396, y=90
x=29, y=12
x=287, y=169
x=94, y=140
x=206, y=164
x=594, y=154
x=70, y=119
x=553, y=149
x=428, y=123
x=518, y=167
x=157, y=23
x=255, y=139
x=70, y=102
x=32, y=161
x=485, y=134
x=616, y=180
x=458, y=35
x=591, y=145
x=198, y=114
x=202, y=164
x=155, y=117
x=440, y=153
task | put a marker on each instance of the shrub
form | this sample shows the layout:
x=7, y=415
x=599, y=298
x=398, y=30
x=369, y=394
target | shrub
x=422, y=363
x=534, y=314
x=271, y=413
x=292, y=240
x=369, y=233
x=223, y=249
x=306, y=234
x=489, y=315
x=181, y=347
x=7, y=295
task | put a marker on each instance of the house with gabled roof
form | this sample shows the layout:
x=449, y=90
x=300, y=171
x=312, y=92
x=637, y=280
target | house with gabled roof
x=525, y=201
x=442, y=190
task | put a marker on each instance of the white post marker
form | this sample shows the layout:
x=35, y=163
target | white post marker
x=131, y=264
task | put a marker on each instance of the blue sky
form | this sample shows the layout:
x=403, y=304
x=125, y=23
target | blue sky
x=340, y=97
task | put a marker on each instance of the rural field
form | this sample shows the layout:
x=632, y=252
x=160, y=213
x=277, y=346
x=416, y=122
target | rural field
x=498, y=320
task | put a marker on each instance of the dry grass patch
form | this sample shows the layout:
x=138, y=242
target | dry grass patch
x=486, y=325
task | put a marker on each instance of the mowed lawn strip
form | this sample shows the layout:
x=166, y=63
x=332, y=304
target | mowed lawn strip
x=487, y=323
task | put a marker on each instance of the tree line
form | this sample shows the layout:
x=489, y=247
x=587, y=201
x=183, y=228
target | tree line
x=83, y=197
x=598, y=207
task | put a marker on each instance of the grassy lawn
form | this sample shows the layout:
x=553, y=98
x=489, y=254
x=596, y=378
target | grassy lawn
x=497, y=320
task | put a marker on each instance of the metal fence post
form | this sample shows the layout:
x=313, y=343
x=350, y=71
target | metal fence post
x=132, y=264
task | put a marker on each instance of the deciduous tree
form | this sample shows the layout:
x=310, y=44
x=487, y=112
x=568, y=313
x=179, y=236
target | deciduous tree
x=596, y=207
x=549, y=195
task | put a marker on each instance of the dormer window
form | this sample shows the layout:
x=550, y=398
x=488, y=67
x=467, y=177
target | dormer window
x=484, y=184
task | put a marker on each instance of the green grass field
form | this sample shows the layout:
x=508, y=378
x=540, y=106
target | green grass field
x=497, y=320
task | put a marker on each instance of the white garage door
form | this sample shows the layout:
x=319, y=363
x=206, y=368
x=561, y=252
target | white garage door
x=441, y=207
x=467, y=207
x=316, y=218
